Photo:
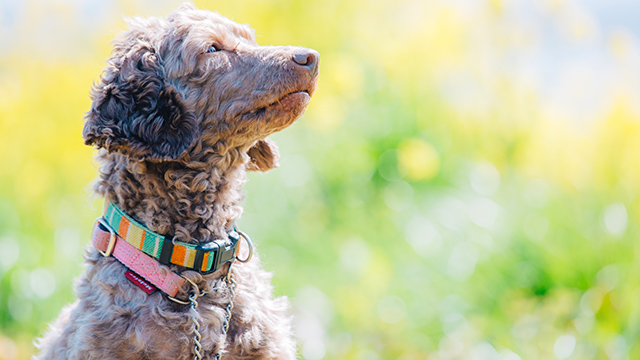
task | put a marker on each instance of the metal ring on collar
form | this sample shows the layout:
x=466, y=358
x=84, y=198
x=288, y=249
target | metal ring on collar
x=112, y=236
x=248, y=240
x=195, y=295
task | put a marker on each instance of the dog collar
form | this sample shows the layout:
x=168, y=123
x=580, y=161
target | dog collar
x=205, y=258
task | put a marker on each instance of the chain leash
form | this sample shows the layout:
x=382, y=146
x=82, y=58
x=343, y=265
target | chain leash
x=196, y=328
x=231, y=283
x=193, y=301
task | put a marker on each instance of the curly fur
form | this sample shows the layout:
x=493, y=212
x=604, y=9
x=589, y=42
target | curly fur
x=177, y=128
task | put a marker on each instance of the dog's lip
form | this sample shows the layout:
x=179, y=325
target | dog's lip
x=289, y=97
x=305, y=93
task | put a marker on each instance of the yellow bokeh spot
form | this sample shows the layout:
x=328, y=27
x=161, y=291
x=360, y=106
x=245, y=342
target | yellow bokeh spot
x=421, y=160
x=497, y=5
x=35, y=180
x=620, y=44
x=554, y=5
x=343, y=74
x=325, y=113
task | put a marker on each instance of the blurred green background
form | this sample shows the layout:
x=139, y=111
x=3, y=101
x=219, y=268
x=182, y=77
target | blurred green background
x=464, y=184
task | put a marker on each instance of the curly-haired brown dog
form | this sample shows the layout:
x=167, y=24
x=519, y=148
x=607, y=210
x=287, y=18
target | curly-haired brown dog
x=182, y=111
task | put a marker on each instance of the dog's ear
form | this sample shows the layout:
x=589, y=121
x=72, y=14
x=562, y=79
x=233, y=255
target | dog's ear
x=136, y=112
x=264, y=156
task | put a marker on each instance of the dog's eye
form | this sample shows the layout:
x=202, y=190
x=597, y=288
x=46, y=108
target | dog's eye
x=212, y=49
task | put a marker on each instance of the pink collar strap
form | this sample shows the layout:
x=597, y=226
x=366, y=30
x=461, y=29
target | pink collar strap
x=110, y=243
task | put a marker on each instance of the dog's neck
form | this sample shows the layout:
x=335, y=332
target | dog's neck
x=195, y=201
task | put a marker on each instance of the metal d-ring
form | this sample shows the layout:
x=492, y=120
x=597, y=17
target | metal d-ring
x=112, y=236
x=193, y=296
x=248, y=240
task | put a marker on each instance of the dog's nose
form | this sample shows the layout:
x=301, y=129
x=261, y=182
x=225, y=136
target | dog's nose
x=307, y=58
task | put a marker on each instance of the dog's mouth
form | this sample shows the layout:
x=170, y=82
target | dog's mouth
x=290, y=102
x=296, y=96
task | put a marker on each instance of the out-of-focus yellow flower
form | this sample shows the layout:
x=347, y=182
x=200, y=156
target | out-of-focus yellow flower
x=325, y=113
x=421, y=159
x=35, y=180
x=621, y=43
x=343, y=75
x=554, y=5
x=497, y=5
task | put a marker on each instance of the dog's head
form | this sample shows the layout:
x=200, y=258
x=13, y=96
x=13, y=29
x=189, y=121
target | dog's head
x=197, y=81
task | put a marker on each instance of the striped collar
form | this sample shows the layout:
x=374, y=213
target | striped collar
x=205, y=258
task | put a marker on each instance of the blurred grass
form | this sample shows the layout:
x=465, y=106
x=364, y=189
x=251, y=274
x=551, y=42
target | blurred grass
x=448, y=194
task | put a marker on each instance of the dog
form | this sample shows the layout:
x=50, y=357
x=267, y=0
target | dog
x=182, y=111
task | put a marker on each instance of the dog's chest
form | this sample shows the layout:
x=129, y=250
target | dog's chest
x=125, y=322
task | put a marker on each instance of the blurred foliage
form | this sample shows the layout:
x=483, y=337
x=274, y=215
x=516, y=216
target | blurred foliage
x=462, y=186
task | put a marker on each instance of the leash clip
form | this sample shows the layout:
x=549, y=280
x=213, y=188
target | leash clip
x=112, y=238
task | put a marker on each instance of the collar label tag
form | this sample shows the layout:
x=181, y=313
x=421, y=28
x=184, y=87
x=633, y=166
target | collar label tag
x=140, y=282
